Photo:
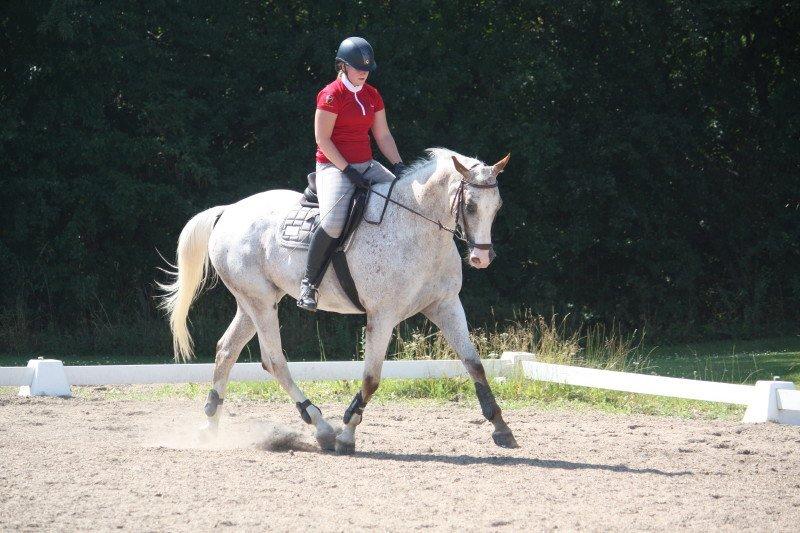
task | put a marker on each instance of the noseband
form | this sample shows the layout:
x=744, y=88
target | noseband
x=457, y=208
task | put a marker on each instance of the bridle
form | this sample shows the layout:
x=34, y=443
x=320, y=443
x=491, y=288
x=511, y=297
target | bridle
x=457, y=207
x=461, y=231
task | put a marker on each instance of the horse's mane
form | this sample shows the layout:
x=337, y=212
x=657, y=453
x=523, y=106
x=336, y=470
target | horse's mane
x=434, y=156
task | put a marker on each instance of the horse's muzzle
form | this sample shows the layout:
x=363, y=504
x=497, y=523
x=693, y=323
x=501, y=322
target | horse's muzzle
x=481, y=257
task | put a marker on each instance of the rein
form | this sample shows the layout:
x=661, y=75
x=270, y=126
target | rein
x=457, y=207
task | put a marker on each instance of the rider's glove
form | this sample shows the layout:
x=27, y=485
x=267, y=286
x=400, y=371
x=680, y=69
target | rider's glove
x=398, y=168
x=356, y=177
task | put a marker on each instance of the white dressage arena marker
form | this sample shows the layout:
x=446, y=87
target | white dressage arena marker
x=48, y=379
x=774, y=401
x=512, y=358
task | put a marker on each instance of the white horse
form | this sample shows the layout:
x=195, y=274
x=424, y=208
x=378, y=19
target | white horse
x=404, y=266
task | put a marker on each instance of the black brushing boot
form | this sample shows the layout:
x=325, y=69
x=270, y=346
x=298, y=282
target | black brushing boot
x=319, y=251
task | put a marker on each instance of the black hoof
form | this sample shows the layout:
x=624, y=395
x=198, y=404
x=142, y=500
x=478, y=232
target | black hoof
x=345, y=448
x=505, y=439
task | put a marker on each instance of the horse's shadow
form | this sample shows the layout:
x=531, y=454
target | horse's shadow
x=496, y=460
x=469, y=460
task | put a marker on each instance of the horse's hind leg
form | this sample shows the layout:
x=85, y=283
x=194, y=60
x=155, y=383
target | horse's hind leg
x=273, y=360
x=448, y=315
x=239, y=332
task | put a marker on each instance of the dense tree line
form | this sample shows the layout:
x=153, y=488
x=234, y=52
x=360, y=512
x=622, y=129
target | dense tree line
x=654, y=171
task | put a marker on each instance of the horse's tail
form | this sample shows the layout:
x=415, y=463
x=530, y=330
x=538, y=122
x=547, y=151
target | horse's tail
x=191, y=274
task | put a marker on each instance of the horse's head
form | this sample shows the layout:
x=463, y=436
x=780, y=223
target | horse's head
x=474, y=203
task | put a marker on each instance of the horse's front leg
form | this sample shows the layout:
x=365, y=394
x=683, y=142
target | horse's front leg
x=448, y=315
x=379, y=331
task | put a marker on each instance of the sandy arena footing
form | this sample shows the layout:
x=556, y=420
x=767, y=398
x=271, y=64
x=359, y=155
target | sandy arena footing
x=98, y=464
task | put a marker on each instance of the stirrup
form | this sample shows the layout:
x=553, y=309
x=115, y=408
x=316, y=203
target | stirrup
x=308, y=296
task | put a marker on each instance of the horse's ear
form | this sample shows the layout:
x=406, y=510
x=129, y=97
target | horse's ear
x=461, y=168
x=500, y=165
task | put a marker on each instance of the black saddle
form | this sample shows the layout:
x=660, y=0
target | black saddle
x=301, y=222
x=309, y=198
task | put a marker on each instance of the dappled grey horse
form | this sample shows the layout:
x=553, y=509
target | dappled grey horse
x=408, y=264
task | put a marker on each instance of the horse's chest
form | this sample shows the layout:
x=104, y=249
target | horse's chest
x=404, y=271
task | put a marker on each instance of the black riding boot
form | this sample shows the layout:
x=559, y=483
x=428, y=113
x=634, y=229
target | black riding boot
x=319, y=251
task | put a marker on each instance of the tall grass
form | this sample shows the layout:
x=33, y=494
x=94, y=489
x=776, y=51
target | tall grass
x=553, y=340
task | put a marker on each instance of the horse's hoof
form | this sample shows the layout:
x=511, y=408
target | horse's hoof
x=345, y=448
x=505, y=439
x=326, y=440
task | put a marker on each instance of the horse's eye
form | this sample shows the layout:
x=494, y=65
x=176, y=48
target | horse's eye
x=471, y=208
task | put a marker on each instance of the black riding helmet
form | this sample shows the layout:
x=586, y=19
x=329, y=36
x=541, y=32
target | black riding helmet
x=357, y=53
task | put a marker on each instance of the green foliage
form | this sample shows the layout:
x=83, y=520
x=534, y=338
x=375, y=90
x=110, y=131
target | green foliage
x=653, y=179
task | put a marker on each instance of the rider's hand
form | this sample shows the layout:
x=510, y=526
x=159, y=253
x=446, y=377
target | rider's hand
x=356, y=177
x=398, y=168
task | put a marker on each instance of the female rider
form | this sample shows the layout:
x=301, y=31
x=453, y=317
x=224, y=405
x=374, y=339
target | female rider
x=347, y=110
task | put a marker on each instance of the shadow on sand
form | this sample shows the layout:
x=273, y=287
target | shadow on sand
x=467, y=460
x=511, y=461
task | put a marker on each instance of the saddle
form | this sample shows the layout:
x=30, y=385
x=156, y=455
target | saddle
x=301, y=221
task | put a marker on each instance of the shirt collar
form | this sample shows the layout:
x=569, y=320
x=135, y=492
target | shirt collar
x=352, y=88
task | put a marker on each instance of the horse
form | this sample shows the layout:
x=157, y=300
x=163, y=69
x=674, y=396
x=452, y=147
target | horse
x=406, y=265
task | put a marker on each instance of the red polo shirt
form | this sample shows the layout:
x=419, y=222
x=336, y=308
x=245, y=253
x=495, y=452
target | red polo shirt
x=355, y=113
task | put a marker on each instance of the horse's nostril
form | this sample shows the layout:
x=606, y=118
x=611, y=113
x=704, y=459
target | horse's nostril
x=476, y=260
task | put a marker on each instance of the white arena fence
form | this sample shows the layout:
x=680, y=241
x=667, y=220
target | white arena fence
x=766, y=401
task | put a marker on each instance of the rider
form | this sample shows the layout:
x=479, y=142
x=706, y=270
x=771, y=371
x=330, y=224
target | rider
x=347, y=109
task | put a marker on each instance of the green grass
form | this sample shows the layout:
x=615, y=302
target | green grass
x=731, y=361
x=512, y=393
x=553, y=341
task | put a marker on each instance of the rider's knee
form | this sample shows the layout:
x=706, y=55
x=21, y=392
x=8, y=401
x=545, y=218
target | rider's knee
x=332, y=229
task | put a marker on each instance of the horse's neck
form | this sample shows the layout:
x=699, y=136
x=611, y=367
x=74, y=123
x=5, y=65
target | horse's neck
x=429, y=196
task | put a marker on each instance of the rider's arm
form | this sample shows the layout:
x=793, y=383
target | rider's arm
x=323, y=128
x=383, y=137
